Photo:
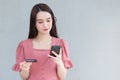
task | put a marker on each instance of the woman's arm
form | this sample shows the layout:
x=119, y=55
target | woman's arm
x=61, y=71
x=24, y=75
x=25, y=69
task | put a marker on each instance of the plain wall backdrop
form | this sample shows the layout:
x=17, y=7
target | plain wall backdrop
x=91, y=29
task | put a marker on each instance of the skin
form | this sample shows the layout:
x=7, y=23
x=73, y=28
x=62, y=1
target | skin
x=43, y=41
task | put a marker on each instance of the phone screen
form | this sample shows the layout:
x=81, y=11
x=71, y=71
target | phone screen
x=56, y=49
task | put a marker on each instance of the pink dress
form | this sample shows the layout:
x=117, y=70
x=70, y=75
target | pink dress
x=44, y=68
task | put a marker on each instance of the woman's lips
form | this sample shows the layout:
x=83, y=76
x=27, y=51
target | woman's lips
x=45, y=29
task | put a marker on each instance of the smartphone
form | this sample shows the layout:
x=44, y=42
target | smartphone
x=55, y=48
x=30, y=60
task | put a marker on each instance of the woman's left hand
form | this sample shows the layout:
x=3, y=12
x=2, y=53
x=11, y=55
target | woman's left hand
x=61, y=71
x=58, y=58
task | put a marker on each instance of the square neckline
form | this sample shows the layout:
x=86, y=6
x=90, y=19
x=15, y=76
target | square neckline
x=31, y=43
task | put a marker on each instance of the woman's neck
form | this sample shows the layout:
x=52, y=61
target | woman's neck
x=40, y=38
x=42, y=42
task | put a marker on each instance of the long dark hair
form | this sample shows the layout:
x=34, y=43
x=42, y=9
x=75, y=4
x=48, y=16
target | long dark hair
x=33, y=32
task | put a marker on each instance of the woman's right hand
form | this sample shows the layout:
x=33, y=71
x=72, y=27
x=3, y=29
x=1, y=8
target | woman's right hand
x=25, y=69
x=25, y=66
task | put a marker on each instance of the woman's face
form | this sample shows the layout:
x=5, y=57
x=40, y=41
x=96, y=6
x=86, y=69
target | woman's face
x=43, y=22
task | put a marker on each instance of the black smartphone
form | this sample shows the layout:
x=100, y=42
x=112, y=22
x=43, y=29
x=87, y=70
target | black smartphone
x=55, y=48
x=30, y=60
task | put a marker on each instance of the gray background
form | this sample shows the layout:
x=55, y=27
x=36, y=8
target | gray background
x=91, y=29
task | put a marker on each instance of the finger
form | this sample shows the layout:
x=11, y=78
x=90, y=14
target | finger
x=25, y=69
x=51, y=56
x=55, y=53
x=22, y=63
x=60, y=53
x=27, y=64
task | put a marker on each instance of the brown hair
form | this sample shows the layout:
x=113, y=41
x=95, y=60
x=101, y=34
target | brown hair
x=33, y=32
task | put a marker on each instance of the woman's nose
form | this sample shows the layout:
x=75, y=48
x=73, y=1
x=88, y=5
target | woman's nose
x=45, y=24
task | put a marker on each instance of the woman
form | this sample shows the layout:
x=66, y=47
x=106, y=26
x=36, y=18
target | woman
x=42, y=36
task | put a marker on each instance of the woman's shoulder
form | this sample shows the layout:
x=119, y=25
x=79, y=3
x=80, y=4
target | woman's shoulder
x=24, y=42
x=59, y=40
x=56, y=39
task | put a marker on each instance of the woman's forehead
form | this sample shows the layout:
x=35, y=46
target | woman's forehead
x=43, y=15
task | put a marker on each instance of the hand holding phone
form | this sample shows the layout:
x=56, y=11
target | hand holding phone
x=55, y=48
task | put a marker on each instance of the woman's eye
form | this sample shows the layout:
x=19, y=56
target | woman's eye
x=39, y=22
x=48, y=20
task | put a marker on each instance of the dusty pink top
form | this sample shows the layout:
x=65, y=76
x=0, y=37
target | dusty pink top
x=44, y=68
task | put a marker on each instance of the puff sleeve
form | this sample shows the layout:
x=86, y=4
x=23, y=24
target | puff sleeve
x=19, y=57
x=65, y=56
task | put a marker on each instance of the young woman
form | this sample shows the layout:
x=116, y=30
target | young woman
x=42, y=36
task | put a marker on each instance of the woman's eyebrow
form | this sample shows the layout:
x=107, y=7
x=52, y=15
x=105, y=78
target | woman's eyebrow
x=49, y=18
x=42, y=19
